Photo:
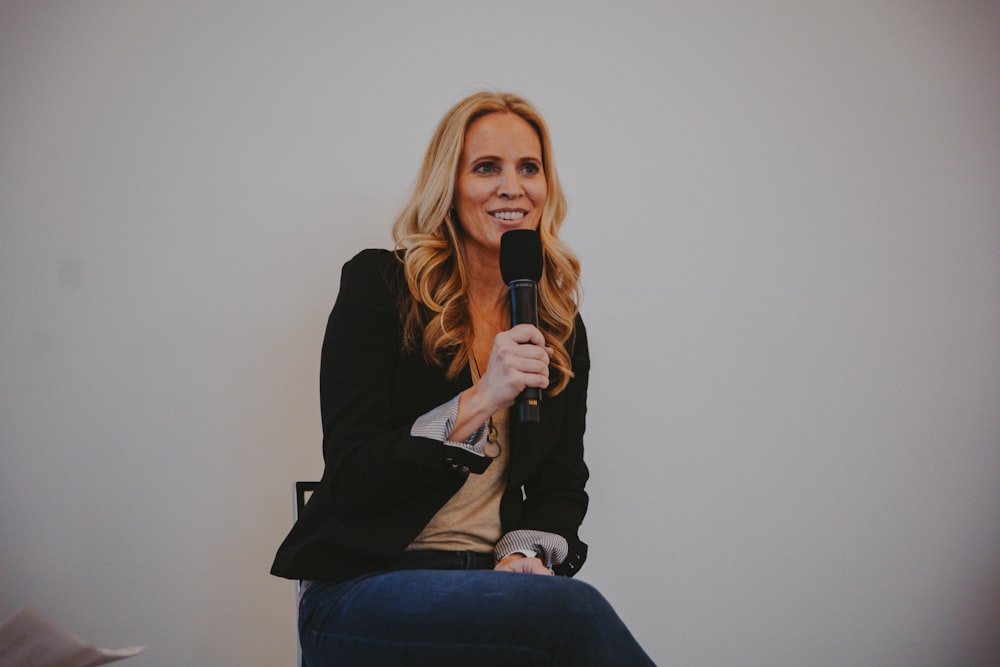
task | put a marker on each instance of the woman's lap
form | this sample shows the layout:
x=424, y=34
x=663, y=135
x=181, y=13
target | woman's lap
x=462, y=617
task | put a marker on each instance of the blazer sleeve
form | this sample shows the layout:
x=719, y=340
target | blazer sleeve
x=555, y=499
x=368, y=450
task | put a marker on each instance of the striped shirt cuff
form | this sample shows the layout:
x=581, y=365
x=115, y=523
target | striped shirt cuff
x=439, y=423
x=552, y=549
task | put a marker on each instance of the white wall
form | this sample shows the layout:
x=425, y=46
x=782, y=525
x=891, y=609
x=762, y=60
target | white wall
x=789, y=218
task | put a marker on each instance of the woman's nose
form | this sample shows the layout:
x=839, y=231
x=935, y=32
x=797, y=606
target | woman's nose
x=510, y=184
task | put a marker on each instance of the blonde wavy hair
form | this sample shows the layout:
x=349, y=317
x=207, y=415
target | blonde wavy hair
x=429, y=235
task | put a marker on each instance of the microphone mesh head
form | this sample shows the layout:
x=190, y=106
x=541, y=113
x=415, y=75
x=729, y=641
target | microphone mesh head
x=521, y=255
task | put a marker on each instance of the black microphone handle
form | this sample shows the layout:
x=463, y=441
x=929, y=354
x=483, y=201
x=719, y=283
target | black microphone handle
x=524, y=310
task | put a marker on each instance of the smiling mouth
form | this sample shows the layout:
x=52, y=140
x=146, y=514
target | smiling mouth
x=508, y=216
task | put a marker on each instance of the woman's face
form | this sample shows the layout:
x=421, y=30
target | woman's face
x=501, y=183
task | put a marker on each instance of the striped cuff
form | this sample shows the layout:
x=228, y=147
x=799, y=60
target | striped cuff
x=552, y=549
x=440, y=422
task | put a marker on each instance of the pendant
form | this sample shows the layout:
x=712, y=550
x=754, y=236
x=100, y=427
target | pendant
x=492, y=447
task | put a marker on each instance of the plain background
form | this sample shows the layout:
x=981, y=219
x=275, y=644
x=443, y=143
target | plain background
x=789, y=219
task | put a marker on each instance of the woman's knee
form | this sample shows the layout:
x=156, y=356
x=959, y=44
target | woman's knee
x=571, y=598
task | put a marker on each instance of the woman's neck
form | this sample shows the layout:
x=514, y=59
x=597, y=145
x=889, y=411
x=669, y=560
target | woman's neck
x=486, y=289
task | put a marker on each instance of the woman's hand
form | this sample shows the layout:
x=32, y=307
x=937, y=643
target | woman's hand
x=518, y=359
x=518, y=562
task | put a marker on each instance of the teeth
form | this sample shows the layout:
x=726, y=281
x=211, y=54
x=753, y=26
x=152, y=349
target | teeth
x=509, y=215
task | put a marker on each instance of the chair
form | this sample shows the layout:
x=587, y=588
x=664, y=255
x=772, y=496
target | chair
x=303, y=490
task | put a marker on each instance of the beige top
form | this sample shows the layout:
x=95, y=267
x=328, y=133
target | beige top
x=470, y=520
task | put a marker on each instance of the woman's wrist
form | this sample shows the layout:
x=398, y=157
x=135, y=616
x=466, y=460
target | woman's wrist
x=473, y=412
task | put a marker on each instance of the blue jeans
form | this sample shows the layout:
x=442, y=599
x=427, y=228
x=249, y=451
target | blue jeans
x=442, y=608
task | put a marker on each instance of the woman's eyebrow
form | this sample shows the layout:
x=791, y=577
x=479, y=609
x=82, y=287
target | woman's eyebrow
x=497, y=158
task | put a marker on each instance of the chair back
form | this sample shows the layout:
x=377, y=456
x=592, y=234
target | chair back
x=303, y=490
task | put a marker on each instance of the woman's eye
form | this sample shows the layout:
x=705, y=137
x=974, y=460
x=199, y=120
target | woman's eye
x=530, y=168
x=485, y=168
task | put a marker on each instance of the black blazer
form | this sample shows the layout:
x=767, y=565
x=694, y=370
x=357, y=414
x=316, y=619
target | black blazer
x=381, y=485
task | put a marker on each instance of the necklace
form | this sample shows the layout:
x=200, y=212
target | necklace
x=492, y=448
x=489, y=319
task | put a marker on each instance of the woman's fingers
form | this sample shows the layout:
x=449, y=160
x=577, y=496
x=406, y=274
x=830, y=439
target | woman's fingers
x=519, y=359
x=525, y=333
x=521, y=563
x=515, y=352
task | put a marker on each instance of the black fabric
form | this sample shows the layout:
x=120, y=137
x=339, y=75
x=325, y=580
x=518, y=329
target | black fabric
x=381, y=485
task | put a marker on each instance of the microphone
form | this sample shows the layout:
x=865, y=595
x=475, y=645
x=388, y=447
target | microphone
x=521, y=268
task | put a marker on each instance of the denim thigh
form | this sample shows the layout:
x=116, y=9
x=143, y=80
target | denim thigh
x=441, y=618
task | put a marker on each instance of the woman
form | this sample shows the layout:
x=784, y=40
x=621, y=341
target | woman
x=434, y=507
